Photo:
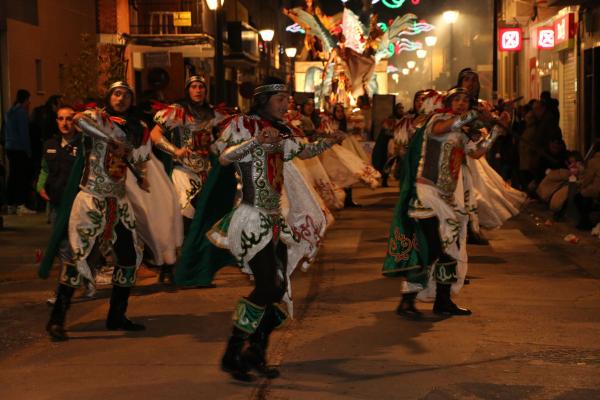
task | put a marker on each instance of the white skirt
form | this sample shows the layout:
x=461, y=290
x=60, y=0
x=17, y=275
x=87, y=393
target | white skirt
x=157, y=213
x=496, y=200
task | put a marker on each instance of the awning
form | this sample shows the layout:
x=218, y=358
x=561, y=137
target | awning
x=168, y=40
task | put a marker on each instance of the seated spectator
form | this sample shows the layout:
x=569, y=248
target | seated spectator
x=589, y=190
x=554, y=188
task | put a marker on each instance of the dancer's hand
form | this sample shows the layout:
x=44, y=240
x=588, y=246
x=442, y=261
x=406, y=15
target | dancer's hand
x=269, y=135
x=183, y=152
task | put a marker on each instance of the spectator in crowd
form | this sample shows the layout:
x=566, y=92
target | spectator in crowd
x=529, y=149
x=554, y=187
x=590, y=189
x=18, y=151
x=310, y=120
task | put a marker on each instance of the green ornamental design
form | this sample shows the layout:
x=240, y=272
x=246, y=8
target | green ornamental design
x=247, y=316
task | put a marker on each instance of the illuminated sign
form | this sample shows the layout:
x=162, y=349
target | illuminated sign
x=545, y=38
x=564, y=29
x=510, y=39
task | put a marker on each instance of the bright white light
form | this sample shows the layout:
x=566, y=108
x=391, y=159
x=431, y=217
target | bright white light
x=267, y=34
x=290, y=52
x=405, y=71
x=430, y=40
x=395, y=77
x=213, y=4
x=411, y=64
x=421, y=53
x=450, y=17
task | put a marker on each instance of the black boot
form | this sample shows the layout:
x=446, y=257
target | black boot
x=232, y=361
x=444, y=305
x=56, y=324
x=475, y=238
x=384, y=180
x=116, y=319
x=348, y=202
x=255, y=355
x=407, y=308
x=166, y=274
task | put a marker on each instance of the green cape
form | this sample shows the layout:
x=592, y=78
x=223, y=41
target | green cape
x=61, y=225
x=407, y=251
x=200, y=259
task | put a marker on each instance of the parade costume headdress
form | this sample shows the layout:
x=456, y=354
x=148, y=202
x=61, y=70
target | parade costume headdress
x=119, y=84
x=455, y=92
x=194, y=78
x=271, y=88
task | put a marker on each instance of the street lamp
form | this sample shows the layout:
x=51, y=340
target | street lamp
x=290, y=52
x=421, y=53
x=267, y=35
x=217, y=7
x=430, y=40
x=214, y=4
x=411, y=64
x=405, y=71
x=450, y=16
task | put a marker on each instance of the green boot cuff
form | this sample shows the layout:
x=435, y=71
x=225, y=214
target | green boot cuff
x=247, y=316
x=124, y=276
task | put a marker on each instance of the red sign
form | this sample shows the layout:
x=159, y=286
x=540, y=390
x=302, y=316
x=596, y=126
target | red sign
x=510, y=39
x=564, y=28
x=545, y=37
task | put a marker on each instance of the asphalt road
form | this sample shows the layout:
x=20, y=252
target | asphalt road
x=533, y=334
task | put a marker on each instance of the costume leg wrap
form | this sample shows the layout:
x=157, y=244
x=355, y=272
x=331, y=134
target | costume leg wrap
x=124, y=276
x=445, y=270
x=69, y=276
x=247, y=316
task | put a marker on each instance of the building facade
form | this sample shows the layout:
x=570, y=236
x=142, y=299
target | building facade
x=555, y=53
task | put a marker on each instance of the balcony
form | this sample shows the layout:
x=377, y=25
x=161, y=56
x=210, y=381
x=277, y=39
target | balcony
x=243, y=44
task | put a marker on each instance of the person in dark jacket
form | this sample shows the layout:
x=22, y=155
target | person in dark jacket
x=18, y=151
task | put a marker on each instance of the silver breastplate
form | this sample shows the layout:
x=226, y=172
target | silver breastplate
x=442, y=159
x=262, y=178
x=196, y=135
x=105, y=171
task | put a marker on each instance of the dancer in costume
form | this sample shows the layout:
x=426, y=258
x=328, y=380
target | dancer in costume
x=260, y=145
x=381, y=156
x=101, y=221
x=183, y=131
x=342, y=163
x=429, y=227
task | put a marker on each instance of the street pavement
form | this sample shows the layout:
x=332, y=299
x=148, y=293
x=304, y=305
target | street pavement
x=533, y=333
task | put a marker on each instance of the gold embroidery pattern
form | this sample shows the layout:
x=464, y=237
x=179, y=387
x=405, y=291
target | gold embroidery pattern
x=401, y=246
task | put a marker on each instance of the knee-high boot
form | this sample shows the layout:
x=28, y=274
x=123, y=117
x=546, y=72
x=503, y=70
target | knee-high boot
x=444, y=305
x=232, y=361
x=407, y=308
x=256, y=353
x=56, y=324
x=348, y=201
x=116, y=319
x=166, y=274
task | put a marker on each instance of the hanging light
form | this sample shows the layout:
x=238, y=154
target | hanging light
x=411, y=64
x=405, y=71
x=291, y=52
x=430, y=40
x=421, y=53
x=266, y=34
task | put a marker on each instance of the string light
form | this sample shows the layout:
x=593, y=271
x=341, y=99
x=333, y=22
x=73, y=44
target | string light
x=295, y=28
x=392, y=3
